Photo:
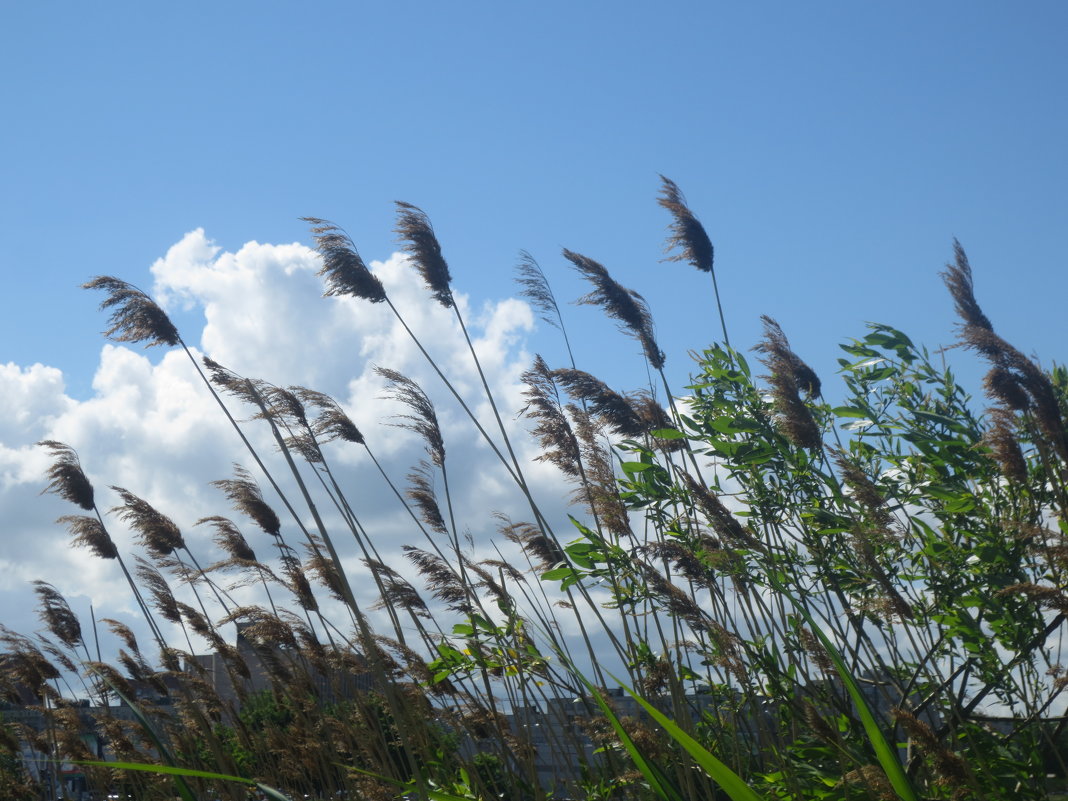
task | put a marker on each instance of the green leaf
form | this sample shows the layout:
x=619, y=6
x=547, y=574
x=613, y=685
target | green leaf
x=653, y=774
x=558, y=573
x=658, y=781
x=731, y=782
x=668, y=433
x=849, y=411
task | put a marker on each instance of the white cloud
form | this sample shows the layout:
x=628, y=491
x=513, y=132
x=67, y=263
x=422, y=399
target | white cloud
x=152, y=427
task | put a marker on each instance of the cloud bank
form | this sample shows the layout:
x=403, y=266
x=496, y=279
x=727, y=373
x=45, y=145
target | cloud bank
x=153, y=428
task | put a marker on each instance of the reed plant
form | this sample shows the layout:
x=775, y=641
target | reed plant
x=804, y=594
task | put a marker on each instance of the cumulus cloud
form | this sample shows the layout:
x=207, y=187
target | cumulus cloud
x=152, y=427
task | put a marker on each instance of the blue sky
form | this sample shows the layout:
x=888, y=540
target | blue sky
x=832, y=150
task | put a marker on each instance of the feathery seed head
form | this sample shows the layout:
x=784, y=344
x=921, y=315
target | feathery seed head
x=614, y=409
x=156, y=532
x=423, y=420
x=229, y=538
x=245, y=495
x=789, y=375
x=57, y=615
x=90, y=532
x=687, y=233
x=152, y=580
x=536, y=290
x=623, y=305
x=343, y=271
x=1004, y=446
x=421, y=493
x=958, y=279
x=553, y=430
x=416, y=233
x=135, y=317
x=332, y=423
x=441, y=578
x=66, y=478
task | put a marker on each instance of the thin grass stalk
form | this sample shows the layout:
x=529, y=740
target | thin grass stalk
x=350, y=599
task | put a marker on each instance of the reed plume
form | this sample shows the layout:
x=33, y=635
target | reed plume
x=422, y=420
x=245, y=495
x=91, y=533
x=297, y=581
x=688, y=241
x=1000, y=437
x=332, y=423
x=57, y=615
x=156, y=532
x=416, y=234
x=343, y=271
x=442, y=580
x=542, y=551
x=324, y=570
x=623, y=305
x=688, y=236
x=421, y=493
x=1013, y=375
x=789, y=376
x=135, y=317
x=724, y=523
x=66, y=477
x=229, y=538
x=599, y=490
x=535, y=289
x=615, y=410
x=552, y=430
x=655, y=417
x=157, y=586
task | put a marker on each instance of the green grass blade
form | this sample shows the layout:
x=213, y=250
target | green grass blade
x=732, y=784
x=169, y=770
x=884, y=752
x=658, y=781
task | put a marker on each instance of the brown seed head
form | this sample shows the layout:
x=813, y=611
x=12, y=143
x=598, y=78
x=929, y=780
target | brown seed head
x=623, y=305
x=614, y=409
x=343, y=271
x=246, y=498
x=789, y=375
x=423, y=420
x=229, y=538
x=90, y=532
x=536, y=290
x=57, y=614
x=688, y=236
x=156, y=532
x=135, y=317
x=152, y=580
x=332, y=422
x=553, y=430
x=66, y=478
x=440, y=578
x=416, y=233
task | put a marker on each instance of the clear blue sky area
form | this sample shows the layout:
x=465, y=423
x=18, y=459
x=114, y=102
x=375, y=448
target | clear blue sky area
x=833, y=150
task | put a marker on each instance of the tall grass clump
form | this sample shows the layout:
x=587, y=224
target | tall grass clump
x=765, y=588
